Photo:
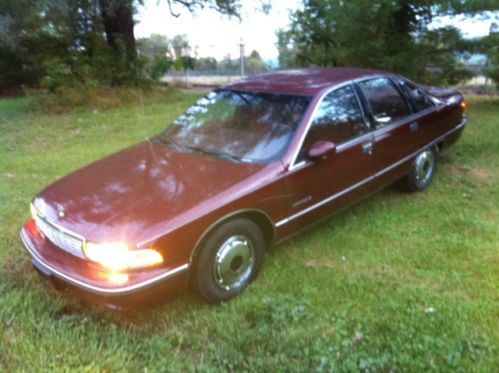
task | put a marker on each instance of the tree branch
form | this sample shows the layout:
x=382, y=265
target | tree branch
x=176, y=15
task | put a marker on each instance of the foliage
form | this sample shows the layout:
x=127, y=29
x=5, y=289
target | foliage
x=384, y=34
x=436, y=55
x=24, y=44
x=254, y=62
x=206, y=64
x=159, y=66
x=180, y=46
x=156, y=52
x=490, y=45
x=57, y=42
x=155, y=45
x=287, y=55
x=396, y=283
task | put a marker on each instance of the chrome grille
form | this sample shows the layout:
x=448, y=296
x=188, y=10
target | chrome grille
x=63, y=239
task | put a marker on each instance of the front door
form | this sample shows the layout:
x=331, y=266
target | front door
x=317, y=188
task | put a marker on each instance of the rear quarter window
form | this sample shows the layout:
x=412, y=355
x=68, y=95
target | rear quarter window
x=415, y=95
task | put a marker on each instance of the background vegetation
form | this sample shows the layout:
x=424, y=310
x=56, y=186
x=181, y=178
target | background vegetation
x=385, y=34
x=397, y=283
x=62, y=44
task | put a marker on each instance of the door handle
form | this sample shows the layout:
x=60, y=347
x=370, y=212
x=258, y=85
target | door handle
x=414, y=126
x=367, y=148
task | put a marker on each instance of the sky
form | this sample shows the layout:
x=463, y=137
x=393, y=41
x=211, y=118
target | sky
x=214, y=35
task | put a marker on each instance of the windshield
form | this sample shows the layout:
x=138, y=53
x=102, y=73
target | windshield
x=240, y=126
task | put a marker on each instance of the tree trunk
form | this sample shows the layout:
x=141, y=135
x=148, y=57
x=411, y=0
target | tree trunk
x=117, y=18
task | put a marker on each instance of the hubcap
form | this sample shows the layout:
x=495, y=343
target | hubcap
x=234, y=262
x=424, y=166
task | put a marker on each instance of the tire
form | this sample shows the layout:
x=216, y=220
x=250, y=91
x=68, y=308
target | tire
x=422, y=172
x=229, y=260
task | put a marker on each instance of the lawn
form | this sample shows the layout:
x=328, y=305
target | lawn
x=398, y=282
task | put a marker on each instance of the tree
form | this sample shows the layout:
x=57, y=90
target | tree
x=155, y=45
x=384, y=34
x=254, y=62
x=490, y=46
x=60, y=42
x=117, y=18
x=156, y=50
x=229, y=65
x=207, y=64
x=287, y=56
x=26, y=43
x=180, y=46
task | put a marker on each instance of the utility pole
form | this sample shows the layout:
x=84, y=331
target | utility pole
x=241, y=51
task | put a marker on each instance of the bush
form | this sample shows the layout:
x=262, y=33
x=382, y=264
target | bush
x=98, y=98
x=97, y=81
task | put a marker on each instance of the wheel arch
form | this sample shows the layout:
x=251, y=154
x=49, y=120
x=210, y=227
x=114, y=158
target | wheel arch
x=259, y=217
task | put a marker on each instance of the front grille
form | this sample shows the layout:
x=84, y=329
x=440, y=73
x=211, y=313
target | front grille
x=63, y=239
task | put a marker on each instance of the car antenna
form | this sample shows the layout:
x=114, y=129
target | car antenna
x=141, y=115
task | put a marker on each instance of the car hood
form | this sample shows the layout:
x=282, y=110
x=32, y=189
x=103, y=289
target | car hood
x=142, y=192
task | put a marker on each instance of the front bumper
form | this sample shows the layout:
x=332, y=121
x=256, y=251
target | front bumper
x=92, y=282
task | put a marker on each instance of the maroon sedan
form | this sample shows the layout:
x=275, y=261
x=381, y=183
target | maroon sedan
x=246, y=166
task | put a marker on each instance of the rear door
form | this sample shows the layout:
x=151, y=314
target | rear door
x=396, y=133
x=432, y=120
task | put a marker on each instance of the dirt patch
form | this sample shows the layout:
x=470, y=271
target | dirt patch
x=320, y=263
x=478, y=174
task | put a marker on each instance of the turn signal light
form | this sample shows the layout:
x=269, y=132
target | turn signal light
x=464, y=105
x=33, y=211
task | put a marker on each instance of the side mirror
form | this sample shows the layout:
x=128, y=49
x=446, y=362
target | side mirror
x=320, y=148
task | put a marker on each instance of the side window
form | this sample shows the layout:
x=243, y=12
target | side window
x=415, y=96
x=386, y=103
x=338, y=117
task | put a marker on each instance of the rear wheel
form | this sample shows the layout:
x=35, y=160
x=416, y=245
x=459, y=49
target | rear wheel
x=422, y=171
x=229, y=260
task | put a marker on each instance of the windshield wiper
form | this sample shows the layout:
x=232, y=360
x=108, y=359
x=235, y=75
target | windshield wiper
x=218, y=154
x=165, y=140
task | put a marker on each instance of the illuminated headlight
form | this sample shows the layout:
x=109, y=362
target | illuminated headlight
x=118, y=256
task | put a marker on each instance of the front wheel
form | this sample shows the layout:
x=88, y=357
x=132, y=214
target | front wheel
x=229, y=260
x=422, y=171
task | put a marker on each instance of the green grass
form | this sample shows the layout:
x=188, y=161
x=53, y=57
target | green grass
x=355, y=292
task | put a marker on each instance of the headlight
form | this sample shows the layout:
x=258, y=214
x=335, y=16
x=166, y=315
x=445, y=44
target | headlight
x=118, y=257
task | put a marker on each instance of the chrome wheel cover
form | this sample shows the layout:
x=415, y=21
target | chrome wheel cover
x=424, y=164
x=234, y=262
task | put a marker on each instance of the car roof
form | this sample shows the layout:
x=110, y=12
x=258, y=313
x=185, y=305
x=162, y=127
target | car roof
x=308, y=82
